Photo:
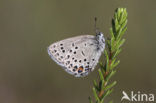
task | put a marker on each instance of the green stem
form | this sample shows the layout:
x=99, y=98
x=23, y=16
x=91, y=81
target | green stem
x=103, y=88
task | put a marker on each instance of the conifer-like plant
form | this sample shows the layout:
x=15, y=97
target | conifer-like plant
x=102, y=87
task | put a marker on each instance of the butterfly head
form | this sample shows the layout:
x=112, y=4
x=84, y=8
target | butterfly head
x=101, y=40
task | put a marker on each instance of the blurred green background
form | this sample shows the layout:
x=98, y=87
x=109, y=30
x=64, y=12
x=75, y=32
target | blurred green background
x=28, y=27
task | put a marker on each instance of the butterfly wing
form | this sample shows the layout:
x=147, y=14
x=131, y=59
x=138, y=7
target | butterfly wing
x=78, y=55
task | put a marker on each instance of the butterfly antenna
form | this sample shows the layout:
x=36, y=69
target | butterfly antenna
x=96, y=29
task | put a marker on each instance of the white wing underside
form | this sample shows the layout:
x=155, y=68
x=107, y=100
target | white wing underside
x=75, y=53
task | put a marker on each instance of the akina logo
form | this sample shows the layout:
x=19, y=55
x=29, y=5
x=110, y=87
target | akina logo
x=138, y=96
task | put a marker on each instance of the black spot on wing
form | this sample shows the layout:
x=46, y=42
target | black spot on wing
x=75, y=67
x=83, y=53
x=79, y=61
x=74, y=52
x=68, y=56
x=54, y=46
x=68, y=62
x=63, y=51
x=71, y=65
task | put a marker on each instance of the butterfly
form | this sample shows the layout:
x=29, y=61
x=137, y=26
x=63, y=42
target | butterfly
x=78, y=55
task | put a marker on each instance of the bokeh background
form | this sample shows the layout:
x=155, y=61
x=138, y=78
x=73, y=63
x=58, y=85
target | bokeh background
x=28, y=27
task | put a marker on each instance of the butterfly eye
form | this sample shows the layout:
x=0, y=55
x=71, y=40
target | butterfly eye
x=100, y=34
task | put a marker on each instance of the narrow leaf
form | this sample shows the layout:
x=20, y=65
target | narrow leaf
x=116, y=53
x=110, y=85
x=95, y=95
x=103, y=85
x=112, y=63
x=123, y=31
x=101, y=75
x=111, y=32
x=110, y=75
x=107, y=60
x=120, y=43
x=121, y=17
x=95, y=85
x=90, y=100
x=106, y=94
x=116, y=64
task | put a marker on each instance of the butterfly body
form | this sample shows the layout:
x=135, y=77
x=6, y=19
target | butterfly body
x=78, y=55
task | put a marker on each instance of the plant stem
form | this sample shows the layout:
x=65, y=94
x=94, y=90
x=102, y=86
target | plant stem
x=119, y=26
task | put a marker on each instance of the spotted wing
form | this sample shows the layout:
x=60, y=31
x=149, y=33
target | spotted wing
x=78, y=55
